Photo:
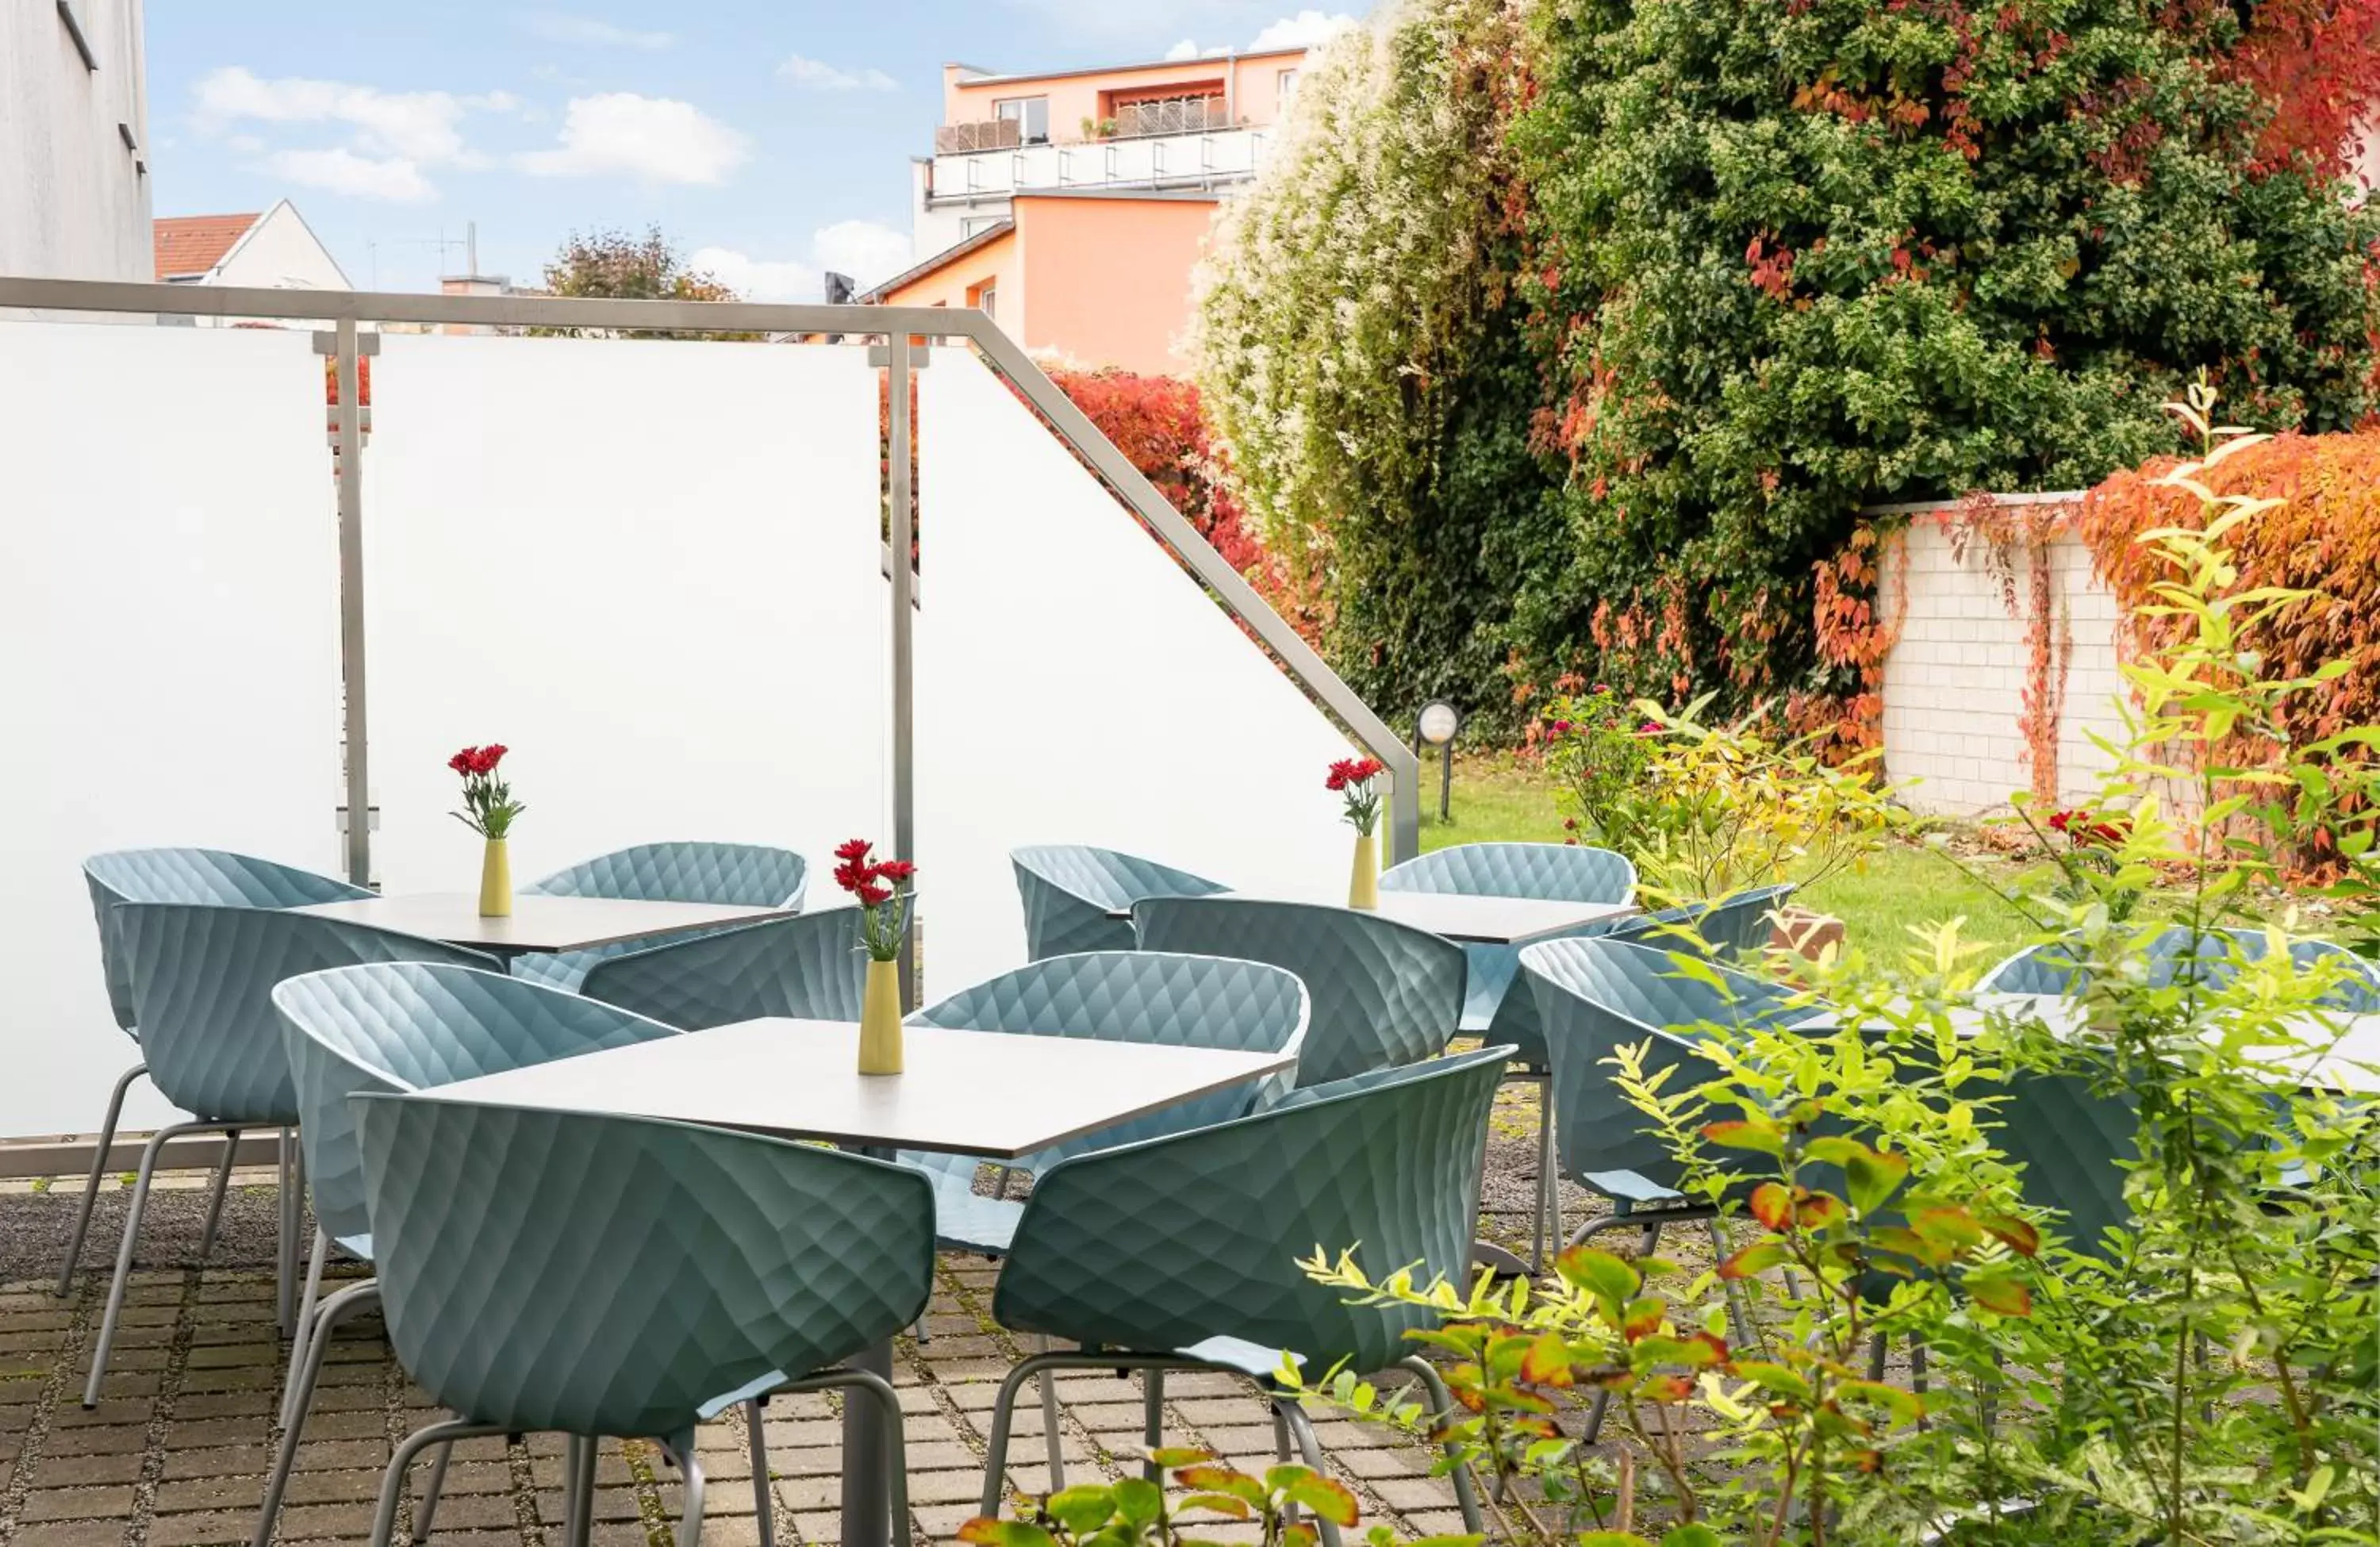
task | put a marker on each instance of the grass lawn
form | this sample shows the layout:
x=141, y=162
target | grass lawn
x=1496, y=800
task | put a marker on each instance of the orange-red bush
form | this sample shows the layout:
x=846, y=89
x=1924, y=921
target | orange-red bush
x=2324, y=538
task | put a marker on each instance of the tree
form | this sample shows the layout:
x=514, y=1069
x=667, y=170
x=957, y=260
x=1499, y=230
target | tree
x=615, y=265
x=1361, y=355
x=1806, y=255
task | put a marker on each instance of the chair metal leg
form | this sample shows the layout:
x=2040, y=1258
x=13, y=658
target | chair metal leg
x=427, y=1510
x=582, y=1490
x=1311, y=1448
x=690, y=1524
x=98, y=1169
x=572, y=1445
x=306, y=1303
x=899, y=1528
x=1443, y=1401
x=764, y=1498
x=292, y=1216
x=392, y=1484
x=347, y=1303
x=1548, y=1225
x=1050, y=1439
x=1875, y=1354
x=215, y=1202
x=1003, y=1417
x=1738, y=1311
x=124, y=1251
x=1152, y=1410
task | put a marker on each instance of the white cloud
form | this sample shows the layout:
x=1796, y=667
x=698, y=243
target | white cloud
x=1187, y=49
x=1303, y=31
x=656, y=138
x=867, y=250
x=817, y=75
x=342, y=171
x=560, y=27
x=422, y=126
x=754, y=279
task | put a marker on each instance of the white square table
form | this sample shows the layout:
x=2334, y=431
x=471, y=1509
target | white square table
x=536, y=924
x=970, y=1092
x=1468, y=918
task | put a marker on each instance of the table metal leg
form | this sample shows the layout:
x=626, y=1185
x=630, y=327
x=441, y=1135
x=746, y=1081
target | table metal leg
x=865, y=1513
x=866, y=1520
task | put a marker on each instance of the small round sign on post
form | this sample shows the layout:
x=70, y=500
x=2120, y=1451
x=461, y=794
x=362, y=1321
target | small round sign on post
x=1437, y=724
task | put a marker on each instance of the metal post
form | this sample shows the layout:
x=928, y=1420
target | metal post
x=351, y=600
x=899, y=437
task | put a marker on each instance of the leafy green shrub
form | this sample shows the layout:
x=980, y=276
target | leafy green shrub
x=1361, y=356
x=1137, y=1513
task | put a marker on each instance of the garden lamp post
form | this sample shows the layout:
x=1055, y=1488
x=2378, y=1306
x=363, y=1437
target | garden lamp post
x=1437, y=725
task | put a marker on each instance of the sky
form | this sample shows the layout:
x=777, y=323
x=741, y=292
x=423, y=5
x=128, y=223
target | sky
x=769, y=141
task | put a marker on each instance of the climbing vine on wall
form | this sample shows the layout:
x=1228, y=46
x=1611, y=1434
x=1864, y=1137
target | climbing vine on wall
x=2006, y=535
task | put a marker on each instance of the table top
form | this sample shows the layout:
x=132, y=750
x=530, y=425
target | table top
x=2342, y=1052
x=538, y=923
x=1485, y=920
x=964, y=1093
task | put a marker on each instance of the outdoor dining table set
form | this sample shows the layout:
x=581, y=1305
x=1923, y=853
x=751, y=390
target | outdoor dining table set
x=559, y=1138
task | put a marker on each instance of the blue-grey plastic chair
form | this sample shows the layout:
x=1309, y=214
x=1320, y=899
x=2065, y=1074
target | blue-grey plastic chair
x=1125, y=996
x=1072, y=892
x=202, y=980
x=1381, y=994
x=602, y=1276
x=1595, y=995
x=191, y=876
x=749, y=875
x=806, y=966
x=401, y=1027
x=1181, y=1252
x=2208, y=956
x=1729, y=927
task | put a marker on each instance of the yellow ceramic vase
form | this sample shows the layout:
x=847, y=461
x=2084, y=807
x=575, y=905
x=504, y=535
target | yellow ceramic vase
x=1364, y=886
x=496, y=881
x=879, y=1020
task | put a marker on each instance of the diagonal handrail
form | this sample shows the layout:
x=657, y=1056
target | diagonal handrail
x=855, y=323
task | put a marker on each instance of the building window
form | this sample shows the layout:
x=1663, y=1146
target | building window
x=1030, y=114
x=1285, y=87
x=984, y=298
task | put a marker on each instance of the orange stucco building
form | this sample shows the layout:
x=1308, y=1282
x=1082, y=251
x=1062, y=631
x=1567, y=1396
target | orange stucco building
x=1072, y=206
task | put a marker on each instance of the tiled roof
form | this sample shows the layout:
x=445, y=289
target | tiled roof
x=193, y=244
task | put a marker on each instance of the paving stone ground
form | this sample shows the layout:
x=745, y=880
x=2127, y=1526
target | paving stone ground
x=174, y=1454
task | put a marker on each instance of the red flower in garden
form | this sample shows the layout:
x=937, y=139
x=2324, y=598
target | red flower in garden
x=1560, y=727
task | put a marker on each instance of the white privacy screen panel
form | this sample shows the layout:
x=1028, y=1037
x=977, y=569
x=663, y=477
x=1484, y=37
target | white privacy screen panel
x=169, y=654
x=652, y=569
x=1075, y=684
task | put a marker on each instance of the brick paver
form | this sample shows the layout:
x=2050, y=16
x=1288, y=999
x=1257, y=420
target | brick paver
x=175, y=1456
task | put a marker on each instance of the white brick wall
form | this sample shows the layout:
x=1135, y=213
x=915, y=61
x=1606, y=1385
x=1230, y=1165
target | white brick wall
x=1953, y=683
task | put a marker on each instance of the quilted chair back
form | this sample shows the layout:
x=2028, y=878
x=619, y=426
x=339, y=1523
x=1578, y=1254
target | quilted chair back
x=2072, y=1141
x=189, y=875
x=2209, y=957
x=1162, y=1245
x=616, y=1275
x=746, y=876
x=1139, y=996
x=1734, y=925
x=202, y=982
x=406, y=1025
x=1557, y=873
x=1381, y=994
x=1068, y=890
x=807, y=966
x=1596, y=995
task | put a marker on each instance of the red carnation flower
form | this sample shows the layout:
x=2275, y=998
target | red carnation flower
x=853, y=849
x=461, y=761
x=895, y=869
x=872, y=895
